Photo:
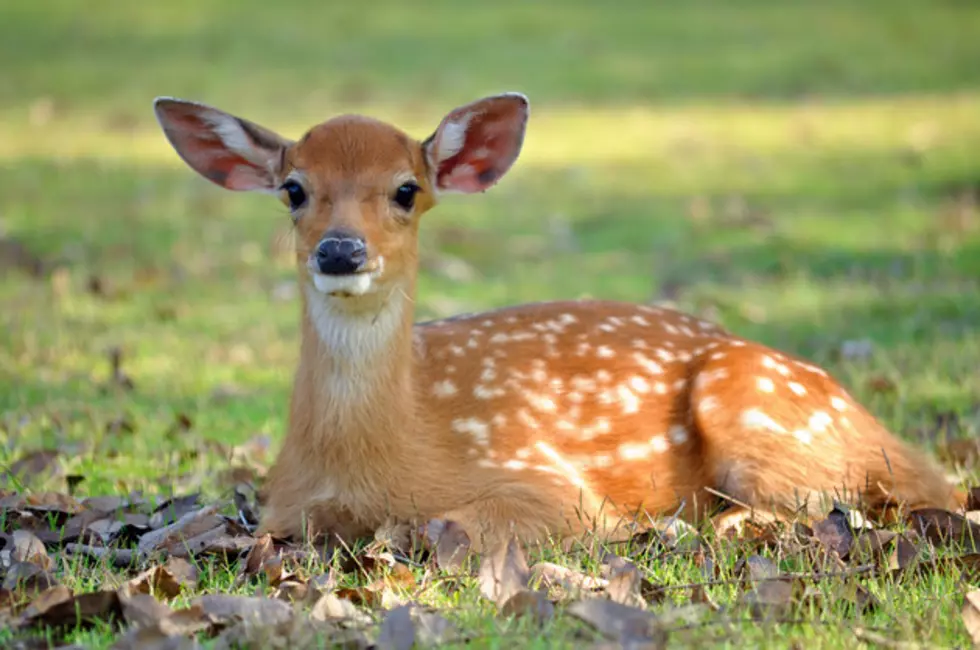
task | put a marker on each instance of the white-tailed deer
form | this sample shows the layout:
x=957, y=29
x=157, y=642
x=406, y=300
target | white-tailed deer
x=544, y=418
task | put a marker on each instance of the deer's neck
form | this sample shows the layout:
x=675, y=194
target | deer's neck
x=357, y=364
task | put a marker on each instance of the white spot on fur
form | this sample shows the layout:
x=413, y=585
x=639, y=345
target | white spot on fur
x=499, y=420
x=486, y=392
x=479, y=429
x=639, y=320
x=523, y=453
x=797, y=388
x=443, y=389
x=803, y=435
x=647, y=363
x=659, y=444
x=819, y=421
x=515, y=465
x=765, y=384
x=605, y=327
x=756, y=419
x=838, y=403
x=542, y=403
x=527, y=419
x=664, y=355
x=633, y=451
x=639, y=384
x=707, y=404
x=605, y=352
x=629, y=400
x=602, y=460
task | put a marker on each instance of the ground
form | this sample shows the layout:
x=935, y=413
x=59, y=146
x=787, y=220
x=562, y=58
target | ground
x=806, y=175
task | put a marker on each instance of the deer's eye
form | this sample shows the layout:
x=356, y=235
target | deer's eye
x=295, y=194
x=405, y=195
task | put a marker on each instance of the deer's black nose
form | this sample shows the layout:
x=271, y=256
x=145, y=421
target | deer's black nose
x=340, y=254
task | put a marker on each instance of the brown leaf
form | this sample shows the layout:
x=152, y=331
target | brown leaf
x=39, y=464
x=873, y=546
x=563, y=582
x=332, y=608
x=527, y=603
x=25, y=579
x=246, y=502
x=120, y=557
x=397, y=630
x=503, y=572
x=261, y=552
x=432, y=629
x=835, y=533
x=451, y=543
x=174, y=509
x=142, y=609
x=943, y=528
x=966, y=453
x=973, y=499
x=756, y=568
x=226, y=609
x=153, y=638
x=971, y=615
x=167, y=580
x=188, y=525
x=28, y=548
x=58, y=607
x=881, y=384
x=769, y=598
x=624, y=581
x=619, y=622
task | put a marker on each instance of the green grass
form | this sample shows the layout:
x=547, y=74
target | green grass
x=804, y=173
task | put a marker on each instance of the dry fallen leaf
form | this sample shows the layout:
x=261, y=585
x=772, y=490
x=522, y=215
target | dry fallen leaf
x=835, y=533
x=25, y=579
x=451, y=543
x=971, y=615
x=226, y=609
x=58, y=607
x=28, y=548
x=330, y=608
x=35, y=465
x=625, y=581
x=620, y=622
x=944, y=528
x=563, y=582
x=529, y=603
x=503, y=572
x=397, y=630
x=167, y=580
x=174, y=509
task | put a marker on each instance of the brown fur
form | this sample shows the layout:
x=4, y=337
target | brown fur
x=542, y=418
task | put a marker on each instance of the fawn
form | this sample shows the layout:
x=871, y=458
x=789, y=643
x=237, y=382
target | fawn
x=542, y=419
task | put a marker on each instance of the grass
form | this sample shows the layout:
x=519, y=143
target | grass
x=804, y=173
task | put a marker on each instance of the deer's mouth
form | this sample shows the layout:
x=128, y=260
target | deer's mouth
x=348, y=285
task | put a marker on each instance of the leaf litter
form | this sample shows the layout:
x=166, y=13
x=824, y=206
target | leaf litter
x=152, y=565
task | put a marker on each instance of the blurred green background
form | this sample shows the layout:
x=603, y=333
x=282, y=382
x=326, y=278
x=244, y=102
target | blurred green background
x=806, y=173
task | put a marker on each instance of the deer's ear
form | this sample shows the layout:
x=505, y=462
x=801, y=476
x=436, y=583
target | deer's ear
x=476, y=144
x=227, y=150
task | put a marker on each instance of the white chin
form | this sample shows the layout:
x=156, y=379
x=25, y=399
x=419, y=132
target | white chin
x=356, y=284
